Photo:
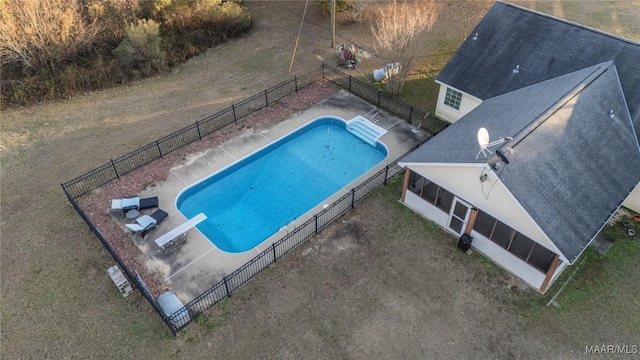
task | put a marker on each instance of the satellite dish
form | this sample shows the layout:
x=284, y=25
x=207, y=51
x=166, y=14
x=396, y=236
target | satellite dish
x=502, y=156
x=485, y=143
x=483, y=138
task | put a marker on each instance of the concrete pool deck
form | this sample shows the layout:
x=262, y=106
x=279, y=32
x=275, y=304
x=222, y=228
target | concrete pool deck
x=196, y=265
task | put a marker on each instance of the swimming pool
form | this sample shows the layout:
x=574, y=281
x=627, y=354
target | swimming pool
x=253, y=198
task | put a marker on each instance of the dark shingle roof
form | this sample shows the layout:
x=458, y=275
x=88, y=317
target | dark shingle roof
x=574, y=170
x=544, y=47
x=502, y=116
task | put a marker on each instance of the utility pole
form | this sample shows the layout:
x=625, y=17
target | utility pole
x=333, y=23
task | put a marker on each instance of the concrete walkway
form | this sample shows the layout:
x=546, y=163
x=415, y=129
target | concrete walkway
x=197, y=264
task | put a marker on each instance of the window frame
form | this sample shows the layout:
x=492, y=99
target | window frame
x=416, y=178
x=453, y=98
x=440, y=191
x=513, y=234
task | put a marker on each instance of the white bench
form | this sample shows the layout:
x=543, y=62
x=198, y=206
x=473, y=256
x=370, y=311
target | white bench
x=180, y=229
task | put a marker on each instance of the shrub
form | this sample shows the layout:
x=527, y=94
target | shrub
x=325, y=6
x=101, y=74
x=179, y=49
x=231, y=20
x=113, y=17
x=140, y=51
x=190, y=27
x=56, y=48
x=206, y=23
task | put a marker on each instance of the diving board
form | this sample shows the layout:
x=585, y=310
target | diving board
x=180, y=229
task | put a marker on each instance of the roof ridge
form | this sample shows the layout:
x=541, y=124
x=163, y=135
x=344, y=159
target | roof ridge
x=598, y=70
x=569, y=22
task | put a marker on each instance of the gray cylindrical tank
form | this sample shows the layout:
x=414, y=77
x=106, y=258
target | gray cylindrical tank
x=379, y=74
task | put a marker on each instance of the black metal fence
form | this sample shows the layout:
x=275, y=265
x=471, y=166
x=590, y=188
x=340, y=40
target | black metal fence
x=424, y=120
x=232, y=282
x=114, y=169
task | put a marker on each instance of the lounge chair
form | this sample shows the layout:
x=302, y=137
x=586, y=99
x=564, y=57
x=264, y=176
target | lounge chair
x=133, y=202
x=146, y=223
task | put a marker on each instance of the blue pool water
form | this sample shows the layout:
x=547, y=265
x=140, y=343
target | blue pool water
x=252, y=199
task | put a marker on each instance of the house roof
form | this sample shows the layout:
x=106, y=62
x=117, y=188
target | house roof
x=502, y=116
x=544, y=47
x=572, y=163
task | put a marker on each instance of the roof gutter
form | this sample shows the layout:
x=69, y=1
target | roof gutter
x=440, y=164
x=599, y=230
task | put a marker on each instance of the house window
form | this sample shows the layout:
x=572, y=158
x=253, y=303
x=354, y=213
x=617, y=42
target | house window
x=430, y=192
x=514, y=242
x=453, y=98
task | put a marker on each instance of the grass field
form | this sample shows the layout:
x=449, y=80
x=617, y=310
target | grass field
x=380, y=283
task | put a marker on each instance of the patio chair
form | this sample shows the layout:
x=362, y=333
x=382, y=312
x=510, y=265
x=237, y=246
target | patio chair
x=133, y=202
x=146, y=223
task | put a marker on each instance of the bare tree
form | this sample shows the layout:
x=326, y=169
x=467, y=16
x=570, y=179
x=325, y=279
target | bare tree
x=358, y=9
x=400, y=30
x=42, y=33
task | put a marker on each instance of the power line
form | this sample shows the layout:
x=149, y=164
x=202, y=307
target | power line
x=298, y=37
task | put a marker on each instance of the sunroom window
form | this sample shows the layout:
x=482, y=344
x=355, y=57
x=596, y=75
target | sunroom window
x=430, y=192
x=514, y=242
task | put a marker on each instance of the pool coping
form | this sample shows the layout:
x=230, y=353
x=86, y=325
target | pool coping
x=251, y=233
x=196, y=265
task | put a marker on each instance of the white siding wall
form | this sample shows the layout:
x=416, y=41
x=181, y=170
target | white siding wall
x=444, y=112
x=512, y=263
x=417, y=204
x=500, y=256
x=508, y=261
x=633, y=200
x=464, y=182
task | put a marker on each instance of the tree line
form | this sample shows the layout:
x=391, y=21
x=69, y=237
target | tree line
x=53, y=49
